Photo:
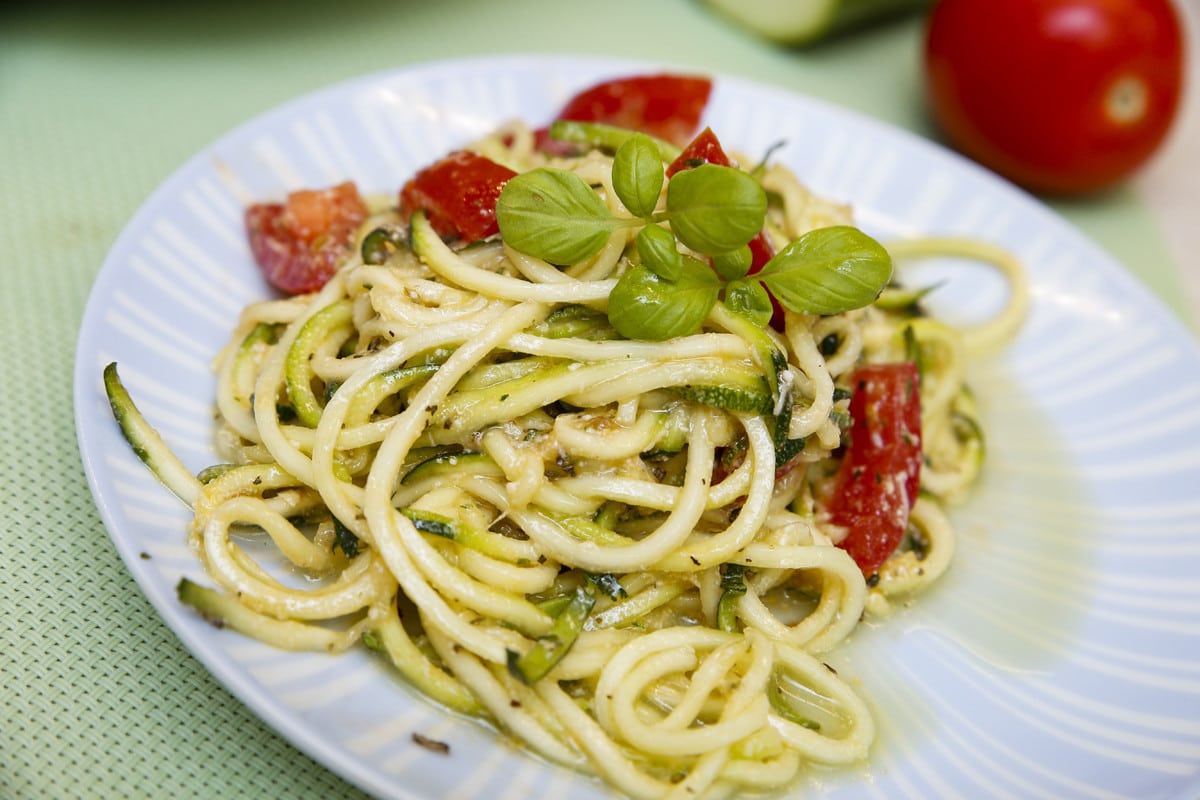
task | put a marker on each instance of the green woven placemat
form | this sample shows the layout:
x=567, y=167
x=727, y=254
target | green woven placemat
x=98, y=104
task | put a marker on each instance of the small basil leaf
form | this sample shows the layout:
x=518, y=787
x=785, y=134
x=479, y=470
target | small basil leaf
x=656, y=248
x=750, y=300
x=644, y=306
x=553, y=215
x=734, y=264
x=715, y=209
x=637, y=175
x=828, y=271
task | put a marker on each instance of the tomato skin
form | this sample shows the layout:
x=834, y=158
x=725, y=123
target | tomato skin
x=1060, y=96
x=663, y=105
x=879, y=476
x=704, y=149
x=300, y=243
x=459, y=194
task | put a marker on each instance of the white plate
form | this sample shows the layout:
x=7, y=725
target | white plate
x=1060, y=657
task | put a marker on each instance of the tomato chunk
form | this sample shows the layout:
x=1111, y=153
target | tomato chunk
x=663, y=105
x=878, y=480
x=299, y=244
x=459, y=194
x=704, y=149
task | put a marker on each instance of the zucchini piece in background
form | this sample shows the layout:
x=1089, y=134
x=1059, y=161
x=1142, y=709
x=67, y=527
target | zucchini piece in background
x=801, y=22
x=223, y=610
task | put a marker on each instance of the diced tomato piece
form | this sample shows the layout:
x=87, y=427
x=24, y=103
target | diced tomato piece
x=761, y=252
x=704, y=149
x=459, y=194
x=663, y=105
x=300, y=243
x=878, y=480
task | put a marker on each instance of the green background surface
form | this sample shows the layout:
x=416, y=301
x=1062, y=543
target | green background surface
x=98, y=104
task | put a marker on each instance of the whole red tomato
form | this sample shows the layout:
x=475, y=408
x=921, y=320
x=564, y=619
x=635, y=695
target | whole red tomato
x=1060, y=96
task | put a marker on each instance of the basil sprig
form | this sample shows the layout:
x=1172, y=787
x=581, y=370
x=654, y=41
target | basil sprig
x=712, y=211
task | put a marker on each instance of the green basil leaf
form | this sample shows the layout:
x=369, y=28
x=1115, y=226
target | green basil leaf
x=553, y=215
x=828, y=271
x=637, y=174
x=734, y=264
x=715, y=209
x=644, y=306
x=750, y=300
x=656, y=248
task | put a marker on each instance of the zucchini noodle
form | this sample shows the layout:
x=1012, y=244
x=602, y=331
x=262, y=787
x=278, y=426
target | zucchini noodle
x=453, y=458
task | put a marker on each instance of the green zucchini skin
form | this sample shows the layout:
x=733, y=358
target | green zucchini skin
x=531, y=666
x=731, y=398
x=146, y=442
x=806, y=22
x=298, y=368
x=453, y=464
x=224, y=611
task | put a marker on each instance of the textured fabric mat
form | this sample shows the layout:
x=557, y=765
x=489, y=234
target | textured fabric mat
x=98, y=104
